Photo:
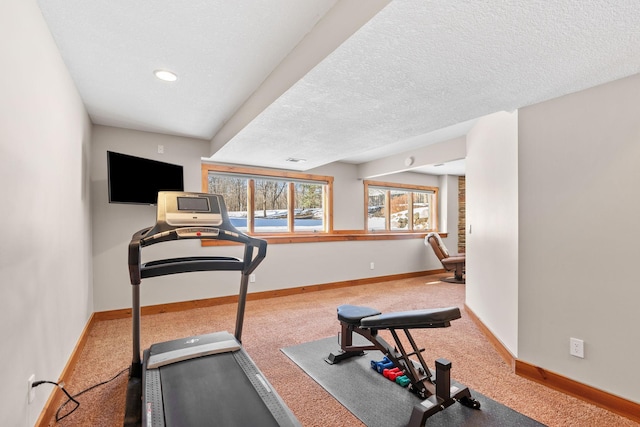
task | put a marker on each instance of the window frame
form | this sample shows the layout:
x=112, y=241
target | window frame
x=330, y=235
x=291, y=178
x=411, y=188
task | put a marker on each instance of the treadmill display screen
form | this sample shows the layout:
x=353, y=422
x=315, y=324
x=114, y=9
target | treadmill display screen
x=193, y=204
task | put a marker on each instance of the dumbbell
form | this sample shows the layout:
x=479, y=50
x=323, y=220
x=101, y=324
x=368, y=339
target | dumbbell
x=381, y=366
x=387, y=372
x=374, y=363
x=403, y=381
x=392, y=374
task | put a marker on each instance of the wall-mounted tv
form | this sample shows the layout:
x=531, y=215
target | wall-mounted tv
x=136, y=180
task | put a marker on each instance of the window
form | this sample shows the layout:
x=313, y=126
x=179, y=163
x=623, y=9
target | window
x=400, y=207
x=265, y=201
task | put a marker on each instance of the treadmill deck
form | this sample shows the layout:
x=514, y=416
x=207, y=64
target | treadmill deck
x=225, y=388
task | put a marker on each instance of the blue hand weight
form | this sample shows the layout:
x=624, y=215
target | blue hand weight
x=382, y=366
x=374, y=363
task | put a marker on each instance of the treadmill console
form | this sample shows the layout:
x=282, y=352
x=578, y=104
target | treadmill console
x=188, y=215
x=184, y=215
x=179, y=209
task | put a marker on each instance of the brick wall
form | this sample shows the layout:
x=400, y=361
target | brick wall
x=462, y=225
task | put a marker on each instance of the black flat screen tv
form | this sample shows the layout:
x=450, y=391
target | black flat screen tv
x=137, y=180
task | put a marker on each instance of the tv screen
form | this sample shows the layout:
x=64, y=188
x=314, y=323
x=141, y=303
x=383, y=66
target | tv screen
x=137, y=180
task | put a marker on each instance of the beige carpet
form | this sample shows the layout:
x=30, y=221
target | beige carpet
x=281, y=322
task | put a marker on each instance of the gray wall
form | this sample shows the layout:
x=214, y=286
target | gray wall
x=45, y=249
x=286, y=265
x=578, y=211
x=492, y=216
x=551, y=204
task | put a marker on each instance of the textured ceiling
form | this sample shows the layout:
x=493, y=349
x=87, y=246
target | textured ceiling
x=221, y=50
x=417, y=73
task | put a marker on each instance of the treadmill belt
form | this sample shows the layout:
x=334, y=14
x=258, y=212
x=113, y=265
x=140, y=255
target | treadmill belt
x=209, y=391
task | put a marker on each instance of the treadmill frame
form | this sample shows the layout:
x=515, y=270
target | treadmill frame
x=254, y=252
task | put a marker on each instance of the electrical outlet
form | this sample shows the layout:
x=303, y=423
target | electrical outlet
x=372, y=266
x=31, y=390
x=576, y=347
x=252, y=278
x=160, y=149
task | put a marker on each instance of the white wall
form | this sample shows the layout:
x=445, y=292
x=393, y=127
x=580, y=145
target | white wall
x=286, y=265
x=428, y=154
x=114, y=224
x=348, y=209
x=579, y=205
x=492, y=214
x=448, y=185
x=45, y=263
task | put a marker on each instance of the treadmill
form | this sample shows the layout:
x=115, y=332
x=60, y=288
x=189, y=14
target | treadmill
x=201, y=380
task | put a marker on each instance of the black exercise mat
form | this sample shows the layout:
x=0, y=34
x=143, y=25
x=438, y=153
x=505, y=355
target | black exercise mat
x=378, y=402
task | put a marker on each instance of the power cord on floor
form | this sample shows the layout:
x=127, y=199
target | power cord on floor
x=71, y=398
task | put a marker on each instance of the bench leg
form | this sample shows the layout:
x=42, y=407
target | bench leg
x=420, y=376
x=347, y=349
x=445, y=396
x=443, y=379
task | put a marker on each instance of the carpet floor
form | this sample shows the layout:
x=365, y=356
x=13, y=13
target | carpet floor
x=276, y=323
x=378, y=402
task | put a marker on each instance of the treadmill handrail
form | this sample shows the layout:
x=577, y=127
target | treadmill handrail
x=141, y=239
x=252, y=263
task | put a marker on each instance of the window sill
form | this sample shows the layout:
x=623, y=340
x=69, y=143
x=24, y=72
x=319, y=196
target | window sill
x=336, y=236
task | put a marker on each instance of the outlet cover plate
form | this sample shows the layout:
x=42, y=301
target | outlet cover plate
x=576, y=347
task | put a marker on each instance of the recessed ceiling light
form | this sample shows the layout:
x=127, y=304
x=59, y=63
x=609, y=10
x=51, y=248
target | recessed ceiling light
x=294, y=160
x=439, y=164
x=165, y=75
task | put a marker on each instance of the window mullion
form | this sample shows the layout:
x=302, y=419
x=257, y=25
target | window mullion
x=366, y=206
x=387, y=210
x=434, y=211
x=291, y=204
x=326, y=201
x=251, y=205
x=410, y=211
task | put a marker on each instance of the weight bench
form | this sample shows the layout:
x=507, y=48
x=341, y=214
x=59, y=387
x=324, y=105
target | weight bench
x=437, y=390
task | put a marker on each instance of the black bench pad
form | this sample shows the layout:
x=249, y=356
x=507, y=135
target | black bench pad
x=352, y=314
x=429, y=318
x=371, y=318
